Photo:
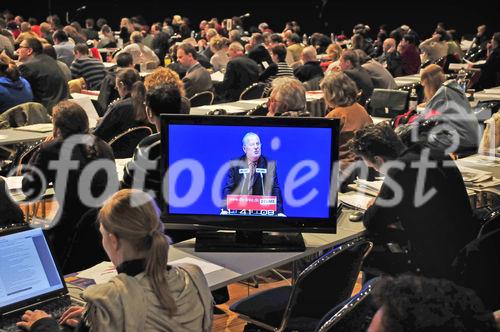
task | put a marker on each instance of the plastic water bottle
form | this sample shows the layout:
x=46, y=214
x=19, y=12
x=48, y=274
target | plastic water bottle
x=119, y=43
x=462, y=80
x=413, y=99
x=304, y=39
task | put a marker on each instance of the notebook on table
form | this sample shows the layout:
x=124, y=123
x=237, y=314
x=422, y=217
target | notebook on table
x=29, y=277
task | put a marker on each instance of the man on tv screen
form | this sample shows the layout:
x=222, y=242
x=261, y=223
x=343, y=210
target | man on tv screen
x=251, y=186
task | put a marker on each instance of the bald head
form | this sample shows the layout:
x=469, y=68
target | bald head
x=309, y=54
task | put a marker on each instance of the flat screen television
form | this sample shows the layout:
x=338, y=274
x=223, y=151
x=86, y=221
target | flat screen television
x=249, y=183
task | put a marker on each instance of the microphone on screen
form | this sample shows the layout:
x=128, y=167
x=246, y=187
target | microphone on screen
x=81, y=8
x=245, y=15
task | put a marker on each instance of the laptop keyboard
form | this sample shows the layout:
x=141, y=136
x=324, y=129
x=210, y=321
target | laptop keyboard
x=54, y=308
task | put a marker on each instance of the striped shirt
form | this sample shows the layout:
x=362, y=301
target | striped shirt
x=92, y=70
x=275, y=70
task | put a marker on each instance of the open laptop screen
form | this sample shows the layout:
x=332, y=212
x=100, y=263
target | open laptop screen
x=27, y=268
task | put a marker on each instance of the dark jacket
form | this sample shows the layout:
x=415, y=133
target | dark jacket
x=119, y=117
x=108, y=92
x=146, y=163
x=10, y=212
x=13, y=93
x=394, y=64
x=259, y=54
x=490, y=71
x=47, y=81
x=72, y=206
x=160, y=46
x=236, y=183
x=478, y=268
x=436, y=228
x=363, y=81
x=241, y=72
x=308, y=71
x=197, y=80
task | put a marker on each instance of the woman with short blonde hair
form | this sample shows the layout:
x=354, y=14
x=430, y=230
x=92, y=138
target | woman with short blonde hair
x=341, y=95
x=339, y=90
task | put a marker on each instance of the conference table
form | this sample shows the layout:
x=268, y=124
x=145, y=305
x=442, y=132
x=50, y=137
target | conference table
x=15, y=136
x=487, y=94
x=233, y=267
x=315, y=104
x=238, y=266
x=403, y=81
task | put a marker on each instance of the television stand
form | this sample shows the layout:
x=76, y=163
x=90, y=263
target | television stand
x=249, y=241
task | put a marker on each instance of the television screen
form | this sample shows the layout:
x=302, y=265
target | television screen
x=244, y=173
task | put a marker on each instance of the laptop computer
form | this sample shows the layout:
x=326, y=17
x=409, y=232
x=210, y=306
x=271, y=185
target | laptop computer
x=29, y=277
x=387, y=103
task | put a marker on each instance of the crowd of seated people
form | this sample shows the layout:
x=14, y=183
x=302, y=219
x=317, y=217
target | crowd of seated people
x=425, y=238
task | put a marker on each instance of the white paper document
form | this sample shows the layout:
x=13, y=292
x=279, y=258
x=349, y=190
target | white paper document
x=86, y=103
x=100, y=273
x=14, y=182
x=217, y=76
x=355, y=199
x=120, y=165
x=205, y=266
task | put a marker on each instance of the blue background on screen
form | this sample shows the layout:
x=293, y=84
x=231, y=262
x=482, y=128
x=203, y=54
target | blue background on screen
x=213, y=146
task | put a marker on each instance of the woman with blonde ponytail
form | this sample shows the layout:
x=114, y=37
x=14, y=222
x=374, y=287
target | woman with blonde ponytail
x=147, y=294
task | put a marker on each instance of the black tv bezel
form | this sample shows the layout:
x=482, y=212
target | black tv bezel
x=251, y=223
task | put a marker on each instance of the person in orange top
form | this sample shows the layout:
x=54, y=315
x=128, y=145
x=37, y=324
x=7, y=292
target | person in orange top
x=341, y=95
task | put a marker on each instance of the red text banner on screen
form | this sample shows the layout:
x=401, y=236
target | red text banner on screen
x=251, y=202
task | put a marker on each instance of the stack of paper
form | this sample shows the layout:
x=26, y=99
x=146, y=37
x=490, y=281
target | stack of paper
x=371, y=185
x=100, y=273
x=356, y=200
x=120, y=166
x=483, y=160
x=217, y=76
x=14, y=182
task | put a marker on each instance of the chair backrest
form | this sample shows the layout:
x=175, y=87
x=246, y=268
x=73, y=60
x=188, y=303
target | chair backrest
x=388, y=103
x=84, y=248
x=202, y=99
x=254, y=91
x=25, y=156
x=124, y=144
x=490, y=223
x=353, y=314
x=441, y=62
x=23, y=115
x=325, y=283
